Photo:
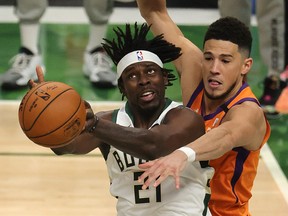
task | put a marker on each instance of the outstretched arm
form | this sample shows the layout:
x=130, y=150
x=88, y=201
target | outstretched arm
x=140, y=142
x=188, y=65
x=244, y=126
x=180, y=126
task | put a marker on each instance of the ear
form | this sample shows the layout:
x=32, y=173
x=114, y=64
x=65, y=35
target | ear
x=121, y=88
x=165, y=77
x=247, y=65
x=166, y=80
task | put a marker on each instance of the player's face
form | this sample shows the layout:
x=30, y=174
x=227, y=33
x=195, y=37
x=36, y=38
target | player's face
x=144, y=85
x=223, y=69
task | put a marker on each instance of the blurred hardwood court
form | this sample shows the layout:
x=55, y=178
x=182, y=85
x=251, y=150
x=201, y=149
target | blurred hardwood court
x=33, y=181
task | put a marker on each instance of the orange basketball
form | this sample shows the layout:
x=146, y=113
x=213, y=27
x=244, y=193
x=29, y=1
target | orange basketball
x=52, y=114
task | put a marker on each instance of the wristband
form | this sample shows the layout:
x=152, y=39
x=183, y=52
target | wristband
x=190, y=153
x=95, y=124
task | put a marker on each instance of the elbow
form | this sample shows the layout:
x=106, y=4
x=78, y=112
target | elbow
x=57, y=152
x=63, y=150
x=148, y=15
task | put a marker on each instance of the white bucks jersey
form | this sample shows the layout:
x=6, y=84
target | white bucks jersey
x=165, y=200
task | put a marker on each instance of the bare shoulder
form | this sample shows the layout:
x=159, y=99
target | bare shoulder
x=248, y=109
x=183, y=124
x=249, y=119
x=184, y=114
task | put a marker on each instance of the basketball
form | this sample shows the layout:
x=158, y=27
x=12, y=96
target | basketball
x=52, y=114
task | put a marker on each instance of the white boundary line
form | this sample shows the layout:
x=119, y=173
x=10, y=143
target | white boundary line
x=275, y=170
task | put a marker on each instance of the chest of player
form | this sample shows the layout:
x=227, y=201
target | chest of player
x=125, y=162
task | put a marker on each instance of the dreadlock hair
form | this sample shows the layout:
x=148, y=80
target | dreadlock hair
x=233, y=30
x=128, y=41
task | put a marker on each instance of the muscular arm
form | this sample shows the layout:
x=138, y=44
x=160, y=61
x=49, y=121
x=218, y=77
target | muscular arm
x=243, y=126
x=189, y=64
x=180, y=126
x=82, y=144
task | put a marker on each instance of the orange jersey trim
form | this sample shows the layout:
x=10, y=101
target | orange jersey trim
x=235, y=171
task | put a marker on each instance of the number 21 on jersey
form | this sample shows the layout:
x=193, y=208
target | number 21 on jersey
x=140, y=194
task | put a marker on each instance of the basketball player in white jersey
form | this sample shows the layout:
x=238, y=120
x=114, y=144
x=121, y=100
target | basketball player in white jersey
x=148, y=126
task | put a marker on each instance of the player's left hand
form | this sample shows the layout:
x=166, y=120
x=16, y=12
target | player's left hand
x=40, y=75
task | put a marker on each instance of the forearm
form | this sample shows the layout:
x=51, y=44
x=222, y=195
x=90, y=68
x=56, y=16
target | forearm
x=148, y=7
x=82, y=144
x=138, y=142
x=155, y=13
x=232, y=133
x=213, y=144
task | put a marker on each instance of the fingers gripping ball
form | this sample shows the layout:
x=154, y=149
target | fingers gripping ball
x=52, y=114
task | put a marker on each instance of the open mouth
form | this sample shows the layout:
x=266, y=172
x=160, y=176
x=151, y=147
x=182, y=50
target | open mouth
x=214, y=83
x=147, y=96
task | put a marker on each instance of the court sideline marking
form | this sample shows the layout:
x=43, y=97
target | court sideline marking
x=275, y=170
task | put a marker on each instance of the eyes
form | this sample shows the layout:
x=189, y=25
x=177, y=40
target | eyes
x=223, y=59
x=149, y=72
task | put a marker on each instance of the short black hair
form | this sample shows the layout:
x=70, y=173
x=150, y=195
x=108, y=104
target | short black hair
x=127, y=41
x=230, y=29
